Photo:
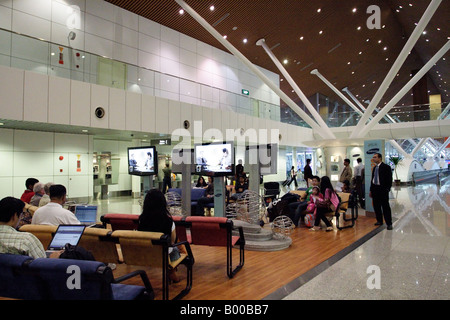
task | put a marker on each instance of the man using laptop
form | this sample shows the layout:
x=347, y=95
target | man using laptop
x=53, y=213
x=16, y=242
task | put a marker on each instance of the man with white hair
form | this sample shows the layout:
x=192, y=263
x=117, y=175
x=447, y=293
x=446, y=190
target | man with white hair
x=46, y=197
x=39, y=191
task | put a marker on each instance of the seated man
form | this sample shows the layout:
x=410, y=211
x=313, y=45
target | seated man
x=28, y=193
x=297, y=208
x=39, y=191
x=240, y=187
x=13, y=241
x=53, y=213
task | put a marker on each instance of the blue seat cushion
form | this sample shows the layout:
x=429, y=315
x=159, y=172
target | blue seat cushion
x=126, y=291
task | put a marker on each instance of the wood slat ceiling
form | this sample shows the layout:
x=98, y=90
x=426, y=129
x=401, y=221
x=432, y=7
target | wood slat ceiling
x=346, y=56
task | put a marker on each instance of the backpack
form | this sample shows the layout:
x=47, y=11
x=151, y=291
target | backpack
x=309, y=220
x=76, y=253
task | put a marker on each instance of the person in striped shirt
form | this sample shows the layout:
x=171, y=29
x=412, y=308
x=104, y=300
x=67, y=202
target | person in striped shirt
x=11, y=240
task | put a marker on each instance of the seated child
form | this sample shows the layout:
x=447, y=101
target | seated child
x=313, y=198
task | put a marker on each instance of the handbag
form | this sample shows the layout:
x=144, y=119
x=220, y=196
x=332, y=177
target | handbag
x=311, y=207
x=324, y=204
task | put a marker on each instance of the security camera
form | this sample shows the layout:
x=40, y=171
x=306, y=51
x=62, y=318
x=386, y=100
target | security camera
x=72, y=35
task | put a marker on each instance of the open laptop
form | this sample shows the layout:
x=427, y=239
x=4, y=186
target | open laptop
x=86, y=214
x=66, y=233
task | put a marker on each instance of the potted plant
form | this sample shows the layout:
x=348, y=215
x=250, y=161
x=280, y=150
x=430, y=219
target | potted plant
x=396, y=161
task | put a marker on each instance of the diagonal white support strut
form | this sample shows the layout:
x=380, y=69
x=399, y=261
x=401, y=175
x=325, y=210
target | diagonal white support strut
x=317, y=129
x=328, y=83
x=298, y=91
x=397, y=65
x=405, y=90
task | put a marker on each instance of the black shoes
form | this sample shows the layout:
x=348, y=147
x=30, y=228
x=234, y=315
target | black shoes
x=389, y=226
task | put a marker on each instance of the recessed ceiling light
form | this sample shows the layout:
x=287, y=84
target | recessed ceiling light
x=225, y=36
x=181, y=11
x=385, y=48
x=360, y=52
x=245, y=40
x=379, y=41
x=359, y=28
x=85, y=131
x=320, y=32
x=318, y=10
x=301, y=38
x=285, y=61
x=354, y=10
x=212, y=8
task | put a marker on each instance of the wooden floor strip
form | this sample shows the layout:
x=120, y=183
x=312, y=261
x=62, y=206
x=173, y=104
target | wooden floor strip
x=264, y=272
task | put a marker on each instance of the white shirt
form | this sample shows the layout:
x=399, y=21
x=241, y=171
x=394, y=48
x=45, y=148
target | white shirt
x=358, y=169
x=54, y=214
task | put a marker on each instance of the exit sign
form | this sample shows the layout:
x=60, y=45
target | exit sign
x=246, y=92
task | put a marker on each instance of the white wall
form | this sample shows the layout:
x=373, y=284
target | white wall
x=26, y=96
x=178, y=67
x=25, y=154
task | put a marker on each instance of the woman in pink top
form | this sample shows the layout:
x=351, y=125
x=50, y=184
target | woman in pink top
x=330, y=203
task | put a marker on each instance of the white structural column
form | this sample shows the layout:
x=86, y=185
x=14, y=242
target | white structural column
x=298, y=91
x=392, y=142
x=446, y=143
x=328, y=83
x=403, y=91
x=317, y=129
x=397, y=65
x=419, y=146
x=361, y=106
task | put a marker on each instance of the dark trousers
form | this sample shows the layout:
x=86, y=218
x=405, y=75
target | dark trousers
x=167, y=183
x=295, y=181
x=201, y=203
x=380, y=197
x=296, y=210
x=320, y=215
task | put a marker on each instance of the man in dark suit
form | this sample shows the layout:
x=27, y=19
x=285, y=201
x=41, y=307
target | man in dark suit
x=380, y=186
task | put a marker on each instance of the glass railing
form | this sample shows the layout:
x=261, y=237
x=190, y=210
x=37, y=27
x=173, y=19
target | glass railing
x=398, y=114
x=41, y=56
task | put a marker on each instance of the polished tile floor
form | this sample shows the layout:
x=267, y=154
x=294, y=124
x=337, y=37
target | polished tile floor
x=410, y=262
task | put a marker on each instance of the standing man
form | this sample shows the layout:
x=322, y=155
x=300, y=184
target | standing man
x=307, y=172
x=380, y=186
x=347, y=172
x=167, y=180
x=359, y=181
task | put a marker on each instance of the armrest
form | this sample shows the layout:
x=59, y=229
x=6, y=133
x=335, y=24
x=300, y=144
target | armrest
x=188, y=249
x=241, y=236
x=144, y=279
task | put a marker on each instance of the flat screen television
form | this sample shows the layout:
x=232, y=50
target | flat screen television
x=180, y=157
x=214, y=159
x=142, y=161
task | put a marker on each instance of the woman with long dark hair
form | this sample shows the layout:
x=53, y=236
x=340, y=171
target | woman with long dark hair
x=329, y=204
x=155, y=217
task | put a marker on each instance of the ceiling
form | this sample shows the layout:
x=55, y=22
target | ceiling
x=346, y=52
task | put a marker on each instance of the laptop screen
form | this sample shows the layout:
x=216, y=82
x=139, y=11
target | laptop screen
x=86, y=214
x=66, y=234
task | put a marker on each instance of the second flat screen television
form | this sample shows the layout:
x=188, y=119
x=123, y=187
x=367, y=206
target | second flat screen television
x=142, y=161
x=214, y=159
